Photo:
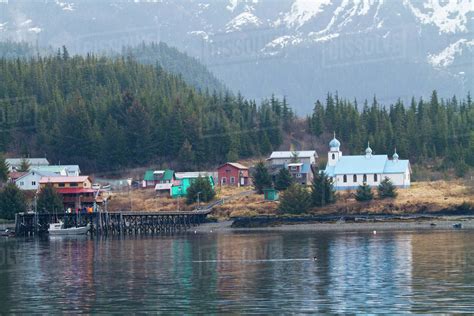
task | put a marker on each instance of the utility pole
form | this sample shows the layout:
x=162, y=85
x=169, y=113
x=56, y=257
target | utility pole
x=199, y=204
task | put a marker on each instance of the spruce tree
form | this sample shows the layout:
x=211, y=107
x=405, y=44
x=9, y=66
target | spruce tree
x=364, y=193
x=3, y=169
x=200, y=189
x=283, y=180
x=25, y=165
x=295, y=200
x=322, y=190
x=49, y=201
x=386, y=189
x=12, y=201
x=261, y=178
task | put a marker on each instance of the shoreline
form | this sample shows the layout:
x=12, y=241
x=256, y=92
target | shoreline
x=440, y=223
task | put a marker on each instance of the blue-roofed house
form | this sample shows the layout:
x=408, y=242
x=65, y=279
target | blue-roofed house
x=348, y=172
x=298, y=163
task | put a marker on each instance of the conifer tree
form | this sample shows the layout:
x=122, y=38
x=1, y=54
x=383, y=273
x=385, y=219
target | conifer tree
x=386, y=189
x=49, y=201
x=295, y=200
x=200, y=189
x=322, y=190
x=24, y=166
x=283, y=180
x=261, y=178
x=364, y=193
x=12, y=201
x=3, y=169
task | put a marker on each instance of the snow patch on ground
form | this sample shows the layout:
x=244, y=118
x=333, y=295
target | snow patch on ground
x=304, y=10
x=242, y=20
x=282, y=42
x=65, y=6
x=449, y=16
x=201, y=34
x=35, y=29
x=447, y=55
x=3, y=26
x=234, y=3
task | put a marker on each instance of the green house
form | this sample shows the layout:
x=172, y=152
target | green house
x=184, y=180
x=154, y=177
x=270, y=194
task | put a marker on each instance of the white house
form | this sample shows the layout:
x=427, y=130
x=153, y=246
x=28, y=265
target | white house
x=15, y=163
x=285, y=157
x=348, y=172
x=31, y=179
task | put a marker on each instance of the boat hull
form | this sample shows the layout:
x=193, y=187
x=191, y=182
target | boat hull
x=69, y=231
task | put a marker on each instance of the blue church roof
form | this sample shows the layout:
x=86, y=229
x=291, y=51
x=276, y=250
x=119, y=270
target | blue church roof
x=366, y=165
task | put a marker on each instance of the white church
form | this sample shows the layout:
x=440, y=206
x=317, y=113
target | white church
x=348, y=172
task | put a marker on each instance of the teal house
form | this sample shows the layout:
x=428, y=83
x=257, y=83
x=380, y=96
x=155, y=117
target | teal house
x=270, y=194
x=183, y=181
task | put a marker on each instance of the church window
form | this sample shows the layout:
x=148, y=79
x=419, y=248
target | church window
x=344, y=178
x=333, y=156
x=354, y=178
x=364, y=178
x=375, y=178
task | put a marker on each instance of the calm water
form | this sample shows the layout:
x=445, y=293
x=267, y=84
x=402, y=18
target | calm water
x=242, y=272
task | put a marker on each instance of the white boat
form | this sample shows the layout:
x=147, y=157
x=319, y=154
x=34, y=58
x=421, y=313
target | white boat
x=58, y=229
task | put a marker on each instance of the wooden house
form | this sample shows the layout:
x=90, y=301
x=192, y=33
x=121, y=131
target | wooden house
x=233, y=174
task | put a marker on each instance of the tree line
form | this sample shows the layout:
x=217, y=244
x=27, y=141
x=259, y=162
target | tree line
x=425, y=129
x=111, y=113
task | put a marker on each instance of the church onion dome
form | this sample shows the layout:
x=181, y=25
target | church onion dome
x=395, y=156
x=368, y=151
x=334, y=143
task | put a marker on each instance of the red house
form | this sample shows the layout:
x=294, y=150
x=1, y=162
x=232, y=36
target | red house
x=234, y=174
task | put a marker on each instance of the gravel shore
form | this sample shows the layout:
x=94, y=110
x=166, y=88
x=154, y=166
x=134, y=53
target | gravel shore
x=441, y=223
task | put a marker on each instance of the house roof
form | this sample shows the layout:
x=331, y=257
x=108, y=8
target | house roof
x=31, y=161
x=64, y=179
x=289, y=154
x=360, y=164
x=39, y=173
x=234, y=164
x=192, y=175
x=152, y=175
x=74, y=190
x=15, y=175
x=58, y=168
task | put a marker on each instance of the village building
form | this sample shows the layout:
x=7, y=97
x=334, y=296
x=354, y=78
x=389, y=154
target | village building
x=30, y=181
x=154, y=177
x=60, y=170
x=76, y=192
x=14, y=164
x=299, y=163
x=183, y=181
x=233, y=174
x=348, y=172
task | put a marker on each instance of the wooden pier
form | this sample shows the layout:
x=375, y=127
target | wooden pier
x=117, y=223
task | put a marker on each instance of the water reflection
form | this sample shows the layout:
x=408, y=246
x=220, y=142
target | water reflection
x=232, y=272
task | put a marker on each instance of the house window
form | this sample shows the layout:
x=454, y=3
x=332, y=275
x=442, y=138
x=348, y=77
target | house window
x=344, y=178
x=61, y=185
x=224, y=180
x=22, y=183
x=375, y=178
x=33, y=182
x=298, y=175
x=75, y=184
x=293, y=168
x=364, y=178
x=354, y=178
x=333, y=156
x=232, y=180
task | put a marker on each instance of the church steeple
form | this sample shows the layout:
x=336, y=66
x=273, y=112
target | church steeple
x=368, y=151
x=395, y=155
x=334, y=153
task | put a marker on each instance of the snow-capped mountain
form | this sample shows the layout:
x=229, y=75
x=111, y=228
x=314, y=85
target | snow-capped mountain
x=298, y=48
